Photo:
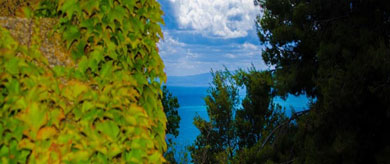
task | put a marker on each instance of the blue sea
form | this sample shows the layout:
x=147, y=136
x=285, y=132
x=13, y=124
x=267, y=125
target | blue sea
x=191, y=100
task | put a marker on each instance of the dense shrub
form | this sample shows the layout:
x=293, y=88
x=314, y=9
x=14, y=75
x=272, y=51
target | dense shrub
x=105, y=107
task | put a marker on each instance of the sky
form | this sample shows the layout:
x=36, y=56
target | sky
x=200, y=35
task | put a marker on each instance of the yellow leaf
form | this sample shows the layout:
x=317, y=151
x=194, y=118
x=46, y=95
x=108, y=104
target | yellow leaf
x=74, y=89
x=131, y=120
x=46, y=132
x=26, y=144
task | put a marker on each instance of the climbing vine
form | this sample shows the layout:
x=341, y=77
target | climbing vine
x=103, y=108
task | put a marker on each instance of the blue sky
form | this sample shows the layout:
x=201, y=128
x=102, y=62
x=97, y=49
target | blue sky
x=200, y=35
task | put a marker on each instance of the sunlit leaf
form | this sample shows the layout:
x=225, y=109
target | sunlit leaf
x=46, y=132
x=71, y=34
x=108, y=128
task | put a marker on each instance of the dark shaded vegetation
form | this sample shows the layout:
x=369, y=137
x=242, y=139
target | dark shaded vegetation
x=336, y=52
x=170, y=105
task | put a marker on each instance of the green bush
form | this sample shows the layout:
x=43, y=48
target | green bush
x=106, y=108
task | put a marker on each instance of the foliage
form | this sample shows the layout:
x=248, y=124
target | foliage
x=177, y=153
x=47, y=9
x=15, y=7
x=104, y=110
x=337, y=52
x=235, y=134
x=216, y=141
x=259, y=114
x=170, y=105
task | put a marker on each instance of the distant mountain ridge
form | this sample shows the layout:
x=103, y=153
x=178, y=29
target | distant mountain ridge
x=199, y=80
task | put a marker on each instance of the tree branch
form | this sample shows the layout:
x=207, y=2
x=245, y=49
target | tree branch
x=294, y=116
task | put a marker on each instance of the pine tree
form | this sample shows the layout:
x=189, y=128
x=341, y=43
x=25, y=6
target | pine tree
x=171, y=104
x=338, y=53
x=217, y=142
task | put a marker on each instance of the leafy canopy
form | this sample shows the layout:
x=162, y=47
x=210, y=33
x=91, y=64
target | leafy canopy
x=337, y=52
x=103, y=109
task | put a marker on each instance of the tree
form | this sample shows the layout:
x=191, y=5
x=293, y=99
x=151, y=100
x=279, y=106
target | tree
x=259, y=114
x=171, y=104
x=235, y=134
x=338, y=53
x=217, y=142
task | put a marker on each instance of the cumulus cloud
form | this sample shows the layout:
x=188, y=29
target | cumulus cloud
x=250, y=46
x=216, y=18
x=189, y=59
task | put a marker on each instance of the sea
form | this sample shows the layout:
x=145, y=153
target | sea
x=191, y=100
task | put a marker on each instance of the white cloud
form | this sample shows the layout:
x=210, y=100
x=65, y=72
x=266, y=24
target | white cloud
x=169, y=45
x=229, y=55
x=189, y=59
x=216, y=18
x=250, y=46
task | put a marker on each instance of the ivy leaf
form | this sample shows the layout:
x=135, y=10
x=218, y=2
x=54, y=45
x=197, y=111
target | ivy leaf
x=26, y=144
x=90, y=5
x=89, y=24
x=117, y=13
x=70, y=7
x=34, y=117
x=83, y=64
x=156, y=158
x=74, y=89
x=129, y=4
x=78, y=52
x=23, y=155
x=71, y=34
x=11, y=66
x=97, y=54
x=106, y=69
x=115, y=149
x=46, y=132
x=127, y=26
x=108, y=128
x=13, y=151
x=93, y=64
x=13, y=87
x=59, y=71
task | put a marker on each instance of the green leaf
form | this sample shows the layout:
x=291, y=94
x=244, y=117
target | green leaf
x=11, y=66
x=4, y=151
x=93, y=114
x=89, y=24
x=83, y=64
x=23, y=156
x=59, y=71
x=108, y=128
x=78, y=52
x=114, y=150
x=13, y=148
x=35, y=116
x=155, y=158
x=86, y=106
x=129, y=4
x=71, y=34
x=13, y=87
x=93, y=64
x=90, y=5
x=106, y=69
x=118, y=12
x=97, y=54
x=70, y=7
